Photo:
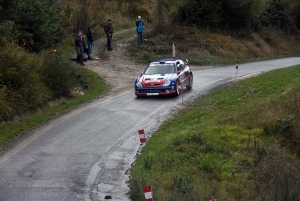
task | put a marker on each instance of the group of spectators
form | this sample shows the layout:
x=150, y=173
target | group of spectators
x=81, y=47
x=108, y=29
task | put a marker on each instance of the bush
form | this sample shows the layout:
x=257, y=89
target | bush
x=278, y=16
x=284, y=126
x=28, y=82
x=20, y=84
x=59, y=75
x=37, y=23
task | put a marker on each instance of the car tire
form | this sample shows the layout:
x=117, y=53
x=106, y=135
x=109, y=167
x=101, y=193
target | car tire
x=190, y=85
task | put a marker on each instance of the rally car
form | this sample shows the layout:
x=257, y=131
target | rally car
x=164, y=77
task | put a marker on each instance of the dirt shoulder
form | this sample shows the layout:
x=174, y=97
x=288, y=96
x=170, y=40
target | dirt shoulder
x=119, y=71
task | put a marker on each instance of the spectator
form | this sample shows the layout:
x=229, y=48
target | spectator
x=109, y=33
x=79, y=45
x=90, y=40
x=140, y=29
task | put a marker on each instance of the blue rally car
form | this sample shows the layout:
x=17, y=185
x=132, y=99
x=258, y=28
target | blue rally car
x=164, y=77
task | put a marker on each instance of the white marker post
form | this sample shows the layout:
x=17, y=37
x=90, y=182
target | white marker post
x=237, y=68
x=174, y=51
x=148, y=193
x=142, y=136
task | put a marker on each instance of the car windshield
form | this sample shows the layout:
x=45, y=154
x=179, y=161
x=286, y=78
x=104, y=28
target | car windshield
x=160, y=69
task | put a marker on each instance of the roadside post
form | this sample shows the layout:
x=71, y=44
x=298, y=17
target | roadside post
x=148, y=193
x=142, y=136
x=237, y=68
x=179, y=87
x=174, y=51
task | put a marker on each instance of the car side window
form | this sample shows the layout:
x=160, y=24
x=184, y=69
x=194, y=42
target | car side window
x=180, y=67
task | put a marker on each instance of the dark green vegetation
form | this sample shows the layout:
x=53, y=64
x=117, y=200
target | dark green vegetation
x=241, y=142
x=35, y=88
x=31, y=24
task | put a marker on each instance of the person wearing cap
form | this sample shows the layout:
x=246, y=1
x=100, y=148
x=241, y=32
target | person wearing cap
x=140, y=29
x=109, y=33
x=90, y=40
x=79, y=44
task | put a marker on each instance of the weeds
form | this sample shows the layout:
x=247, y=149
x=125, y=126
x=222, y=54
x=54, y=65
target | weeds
x=205, y=48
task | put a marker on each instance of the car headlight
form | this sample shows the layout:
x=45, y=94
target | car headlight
x=138, y=84
x=167, y=83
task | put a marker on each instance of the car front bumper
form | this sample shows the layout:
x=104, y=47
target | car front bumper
x=155, y=91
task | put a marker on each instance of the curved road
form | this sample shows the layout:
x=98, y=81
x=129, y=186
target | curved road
x=85, y=154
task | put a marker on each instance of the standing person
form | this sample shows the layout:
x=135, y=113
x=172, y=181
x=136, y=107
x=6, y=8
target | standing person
x=79, y=44
x=109, y=33
x=140, y=29
x=90, y=40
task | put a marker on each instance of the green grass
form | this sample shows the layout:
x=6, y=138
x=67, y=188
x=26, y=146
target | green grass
x=219, y=146
x=10, y=130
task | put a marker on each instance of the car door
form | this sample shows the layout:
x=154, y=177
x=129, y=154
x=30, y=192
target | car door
x=184, y=74
x=180, y=72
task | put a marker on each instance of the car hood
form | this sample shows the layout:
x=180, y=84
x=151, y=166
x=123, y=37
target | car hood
x=155, y=80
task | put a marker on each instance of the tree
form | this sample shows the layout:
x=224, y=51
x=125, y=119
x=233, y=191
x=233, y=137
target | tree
x=278, y=15
x=37, y=21
x=219, y=14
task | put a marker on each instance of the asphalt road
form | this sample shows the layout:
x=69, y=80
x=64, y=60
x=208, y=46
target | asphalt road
x=85, y=154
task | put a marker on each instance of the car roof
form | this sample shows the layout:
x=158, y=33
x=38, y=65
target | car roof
x=170, y=60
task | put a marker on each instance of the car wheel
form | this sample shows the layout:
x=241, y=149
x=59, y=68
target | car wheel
x=178, y=88
x=190, y=85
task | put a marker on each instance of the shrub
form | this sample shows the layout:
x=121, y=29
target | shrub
x=278, y=16
x=60, y=76
x=37, y=21
x=284, y=126
x=20, y=84
x=28, y=82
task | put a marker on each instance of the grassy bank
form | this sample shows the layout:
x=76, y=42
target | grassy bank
x=240, y=142
x=9, y=130
x=203, y=47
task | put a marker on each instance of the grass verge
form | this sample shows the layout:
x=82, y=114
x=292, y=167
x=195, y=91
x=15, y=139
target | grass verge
x=241, y=142
x=203, y=47
x=10, y=130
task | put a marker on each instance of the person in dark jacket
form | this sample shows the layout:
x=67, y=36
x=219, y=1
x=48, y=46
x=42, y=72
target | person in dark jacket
x=90, y=40
x=79, y=45
x=140, y=29
x=109, y=33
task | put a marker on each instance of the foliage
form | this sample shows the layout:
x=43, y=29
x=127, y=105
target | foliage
x=60, y=76
x=204, y=47
x=10, y=129
x=236, y=15
x=21, y=85
x=28, y=82
x=37, y=23
x=278, y=16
